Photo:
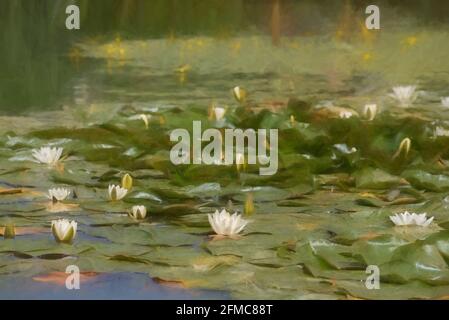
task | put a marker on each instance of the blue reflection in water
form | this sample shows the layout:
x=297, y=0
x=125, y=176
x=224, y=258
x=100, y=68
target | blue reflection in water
x=121, y=285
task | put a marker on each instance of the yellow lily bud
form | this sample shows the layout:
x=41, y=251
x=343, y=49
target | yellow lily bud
x=249, y=205
x=10, y=232
x=404, y=148
x=239, y=94
x=127, y=182
x=210, y=111
x=183, y=68
x=144, y=118
x=240, y=161
x=292, y=119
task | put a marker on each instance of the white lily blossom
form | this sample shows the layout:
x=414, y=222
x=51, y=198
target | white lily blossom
x=225, y=224
x=441, y=132
x=58, y=194
x=144, y=117
x=64, y=230
x=47, y=155
x=405, y=95
x=343, y=148
x=445, y=102
x=116, y=192
x=219, y=113
x=138, y=212
x=370, y=111
x=407, y=219
x=345, y=114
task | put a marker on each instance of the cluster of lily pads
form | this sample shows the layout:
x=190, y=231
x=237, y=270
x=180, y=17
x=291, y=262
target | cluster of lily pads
x=350, y=191
x=64, y=230
x=222, y=222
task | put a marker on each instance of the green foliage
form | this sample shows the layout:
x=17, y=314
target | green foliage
x=318, y=224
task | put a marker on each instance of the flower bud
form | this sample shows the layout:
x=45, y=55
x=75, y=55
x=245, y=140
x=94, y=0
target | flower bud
x=370, y=111
x=63, y=230
x=127, y=182
x=138, y=212
x=239, y=94
x=249, y=205
x=404, y=148
x=10, y=232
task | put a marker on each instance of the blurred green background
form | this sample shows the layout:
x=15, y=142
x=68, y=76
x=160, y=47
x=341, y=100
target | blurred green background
x=35, y=42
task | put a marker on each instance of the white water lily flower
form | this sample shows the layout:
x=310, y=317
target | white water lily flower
x=64, y=230
x=58, y=194
x=116, y=192
x=345, y=114
x=138, y=212
x=441, y=132
x=145, y=120
x=343, y=148
x=219, y=113
x=47, y=155
x=225, y=224
x=144, y=117
x=405, y=95
x=407, y=219
x=445, y=102
x=370, y=111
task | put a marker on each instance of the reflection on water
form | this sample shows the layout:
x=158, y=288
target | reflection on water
x=104, y=286
x=198, y=71
x=322, y=50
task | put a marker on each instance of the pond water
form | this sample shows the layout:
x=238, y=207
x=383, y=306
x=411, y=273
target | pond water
x=121, y=286
x=318, y=223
